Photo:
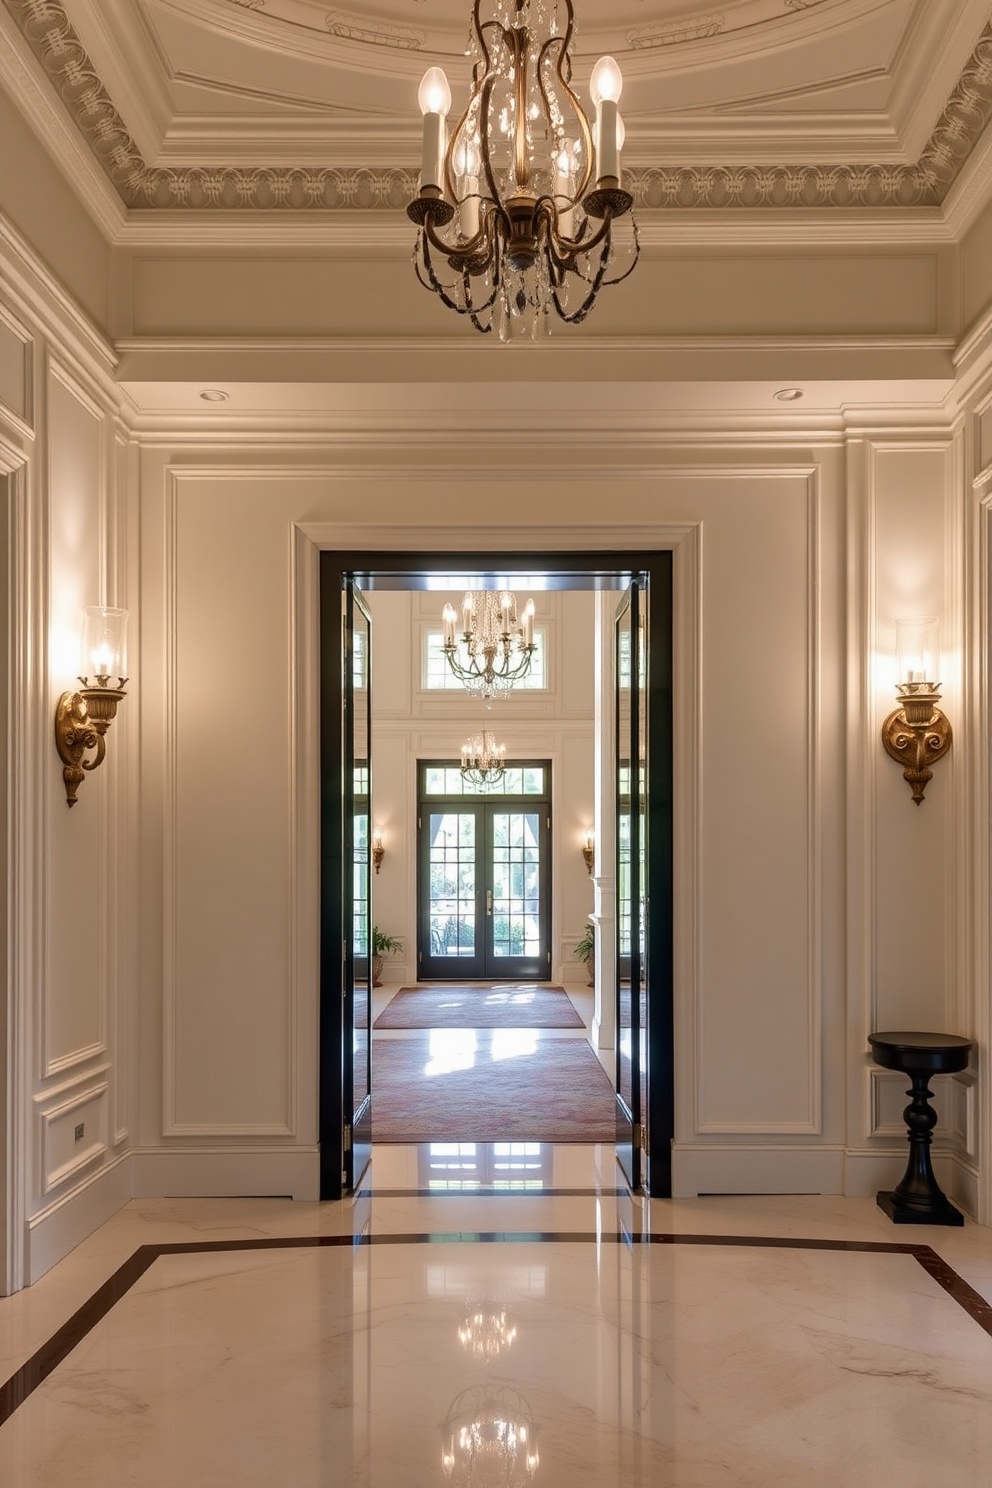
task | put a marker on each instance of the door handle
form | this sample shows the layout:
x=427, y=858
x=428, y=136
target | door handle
x=489, y=901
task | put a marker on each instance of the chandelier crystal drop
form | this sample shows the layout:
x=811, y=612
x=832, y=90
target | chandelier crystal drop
x=483, y=762
x=493, y=648
x=509, y=231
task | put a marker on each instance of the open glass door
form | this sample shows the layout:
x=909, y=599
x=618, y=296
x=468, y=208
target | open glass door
x=356, y=885
x=631, y=789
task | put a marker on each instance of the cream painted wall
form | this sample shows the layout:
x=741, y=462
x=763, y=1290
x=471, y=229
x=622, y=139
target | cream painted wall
x=71, y=973
x=772, y=1006
x=37, y=198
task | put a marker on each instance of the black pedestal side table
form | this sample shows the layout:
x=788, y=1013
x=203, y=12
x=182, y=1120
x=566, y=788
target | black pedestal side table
x=918, y=1199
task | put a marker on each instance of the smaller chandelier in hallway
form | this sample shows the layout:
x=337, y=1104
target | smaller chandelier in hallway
x=483, y=761
x=509, y=230
x=494, y=648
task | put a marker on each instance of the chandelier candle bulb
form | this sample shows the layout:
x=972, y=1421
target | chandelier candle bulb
x=435, y=101
x=605, y=87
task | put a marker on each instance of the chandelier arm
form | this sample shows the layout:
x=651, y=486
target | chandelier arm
x=439, y=288
x=564, y=59
x=595, y=284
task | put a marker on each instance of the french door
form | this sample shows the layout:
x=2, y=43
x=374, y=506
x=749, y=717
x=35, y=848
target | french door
x=356, y=885
x=483, y=879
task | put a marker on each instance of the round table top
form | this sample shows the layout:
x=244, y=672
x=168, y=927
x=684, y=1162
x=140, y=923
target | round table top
x=937, y=1052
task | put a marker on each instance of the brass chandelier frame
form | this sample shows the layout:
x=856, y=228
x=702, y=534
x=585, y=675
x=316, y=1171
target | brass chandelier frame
x=526, y=227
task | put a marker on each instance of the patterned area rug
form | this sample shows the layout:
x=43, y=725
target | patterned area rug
x=506, y=1005
x=456, y=1087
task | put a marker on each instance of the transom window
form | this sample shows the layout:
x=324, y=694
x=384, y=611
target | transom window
x=438, y=676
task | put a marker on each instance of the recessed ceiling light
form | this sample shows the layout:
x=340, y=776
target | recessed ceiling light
x=789, y=395
x=216, y=395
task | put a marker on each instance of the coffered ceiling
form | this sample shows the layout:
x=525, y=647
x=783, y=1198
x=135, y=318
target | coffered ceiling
x=270, y=104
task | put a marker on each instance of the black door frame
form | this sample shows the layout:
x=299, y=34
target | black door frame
x=413, y=570
x=453, y=967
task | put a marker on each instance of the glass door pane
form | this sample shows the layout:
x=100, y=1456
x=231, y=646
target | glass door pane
x=516, y=932
x=630, y=665
x=453, y=842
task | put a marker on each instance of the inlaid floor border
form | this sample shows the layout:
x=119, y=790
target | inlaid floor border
x=22, y=1384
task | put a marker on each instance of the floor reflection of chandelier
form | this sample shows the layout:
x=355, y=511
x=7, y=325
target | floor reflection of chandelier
x=486, y=1330
x=493, y=648
x=490, y=1440
x=483, y=764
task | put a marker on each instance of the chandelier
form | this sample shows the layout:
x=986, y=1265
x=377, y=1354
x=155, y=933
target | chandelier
x=495, y=648
x=483, y=761
x=508, y=228
x=489, y=1439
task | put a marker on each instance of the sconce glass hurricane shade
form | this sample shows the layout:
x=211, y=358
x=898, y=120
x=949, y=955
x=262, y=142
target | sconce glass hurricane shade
x=916, y=651
x=917, y=734
x=103, y=648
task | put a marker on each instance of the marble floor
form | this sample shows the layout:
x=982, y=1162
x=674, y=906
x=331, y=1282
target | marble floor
x=499, y=1316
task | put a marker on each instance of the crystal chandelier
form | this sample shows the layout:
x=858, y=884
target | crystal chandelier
x=494, y=648
x=483, y=761
x=490, y=1440
x=508, y=228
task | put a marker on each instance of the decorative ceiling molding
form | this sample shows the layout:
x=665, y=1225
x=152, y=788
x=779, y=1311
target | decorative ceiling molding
x=673, y=35
x=374, y=32
x=924, y=183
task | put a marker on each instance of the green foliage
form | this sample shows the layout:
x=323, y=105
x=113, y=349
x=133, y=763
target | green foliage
x=382, y=943
x=586, y=947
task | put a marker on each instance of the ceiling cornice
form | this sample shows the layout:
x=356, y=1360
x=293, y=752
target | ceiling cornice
x=785, y=187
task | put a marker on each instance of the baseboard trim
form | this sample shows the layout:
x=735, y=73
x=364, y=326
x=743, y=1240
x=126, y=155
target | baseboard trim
x=741, y=1169
x=223, y=1173
x=58, y=1228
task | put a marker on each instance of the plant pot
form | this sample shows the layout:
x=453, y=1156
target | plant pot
x=377, y=970
x=589, y=962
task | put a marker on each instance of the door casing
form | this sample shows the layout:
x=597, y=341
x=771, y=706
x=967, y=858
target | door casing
x=574, y=569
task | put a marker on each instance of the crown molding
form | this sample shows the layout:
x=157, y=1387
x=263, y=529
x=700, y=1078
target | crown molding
x=724, y=188
x=55, y=129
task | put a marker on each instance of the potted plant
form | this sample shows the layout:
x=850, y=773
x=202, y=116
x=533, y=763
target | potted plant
x=586, y=951
x=382, y=945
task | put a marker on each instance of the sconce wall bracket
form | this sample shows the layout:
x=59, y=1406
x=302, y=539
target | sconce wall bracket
x=917, y=734
x=81, y=723
x=588, y=855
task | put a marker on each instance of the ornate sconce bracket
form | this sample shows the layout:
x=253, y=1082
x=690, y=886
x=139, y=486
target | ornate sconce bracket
x=916, y=735
x=81, y=723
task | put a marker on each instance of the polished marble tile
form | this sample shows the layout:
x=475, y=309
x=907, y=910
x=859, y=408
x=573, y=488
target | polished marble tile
x=616, y=1365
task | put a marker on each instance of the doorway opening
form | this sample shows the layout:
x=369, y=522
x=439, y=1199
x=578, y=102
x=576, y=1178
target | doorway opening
x=644, y=1094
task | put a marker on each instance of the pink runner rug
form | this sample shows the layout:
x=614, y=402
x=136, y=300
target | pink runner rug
x=505, y=1005
x=460, y=1088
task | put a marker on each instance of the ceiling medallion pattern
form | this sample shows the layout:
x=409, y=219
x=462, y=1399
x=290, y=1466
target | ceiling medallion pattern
x=658, y=36
x=926, y=182
x=374, y=33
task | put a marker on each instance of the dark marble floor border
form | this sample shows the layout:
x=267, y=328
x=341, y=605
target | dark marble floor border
x=37, y=1369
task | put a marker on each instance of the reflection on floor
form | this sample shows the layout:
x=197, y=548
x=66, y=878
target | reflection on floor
x=503, y=1315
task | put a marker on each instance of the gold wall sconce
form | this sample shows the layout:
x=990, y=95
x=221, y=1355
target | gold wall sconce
x=378, y=850
x=82, y=718
x=917, y=734
x=589, y=850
